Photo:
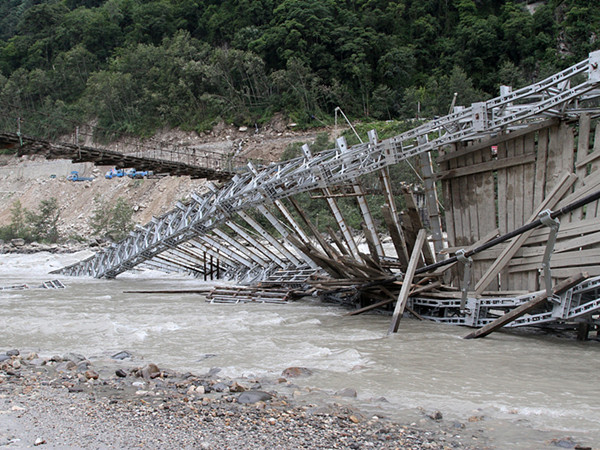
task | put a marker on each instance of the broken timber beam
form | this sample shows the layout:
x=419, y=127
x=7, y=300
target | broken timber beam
x=408, y=276
x=526, y=307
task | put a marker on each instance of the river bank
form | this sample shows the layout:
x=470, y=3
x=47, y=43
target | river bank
x=69, y=401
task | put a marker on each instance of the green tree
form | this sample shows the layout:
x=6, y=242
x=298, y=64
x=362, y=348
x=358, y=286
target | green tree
x=113, y=222
x=43, y=224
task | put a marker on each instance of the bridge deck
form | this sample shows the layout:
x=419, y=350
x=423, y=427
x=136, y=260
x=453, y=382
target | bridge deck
x=104, y=157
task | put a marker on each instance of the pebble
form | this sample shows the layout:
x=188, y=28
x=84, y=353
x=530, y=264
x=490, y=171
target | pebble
x=122, y=355
x=186, y=411
x=293, y=372
x=347, y=392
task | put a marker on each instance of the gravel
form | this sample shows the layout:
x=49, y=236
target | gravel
x=49, y=404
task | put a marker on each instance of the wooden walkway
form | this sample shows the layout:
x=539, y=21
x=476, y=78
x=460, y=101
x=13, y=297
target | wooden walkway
x=103, y=157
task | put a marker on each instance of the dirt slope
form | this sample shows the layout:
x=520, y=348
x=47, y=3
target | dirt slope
x=30, y=179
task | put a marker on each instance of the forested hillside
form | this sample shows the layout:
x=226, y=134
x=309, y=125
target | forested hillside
x=134, y=65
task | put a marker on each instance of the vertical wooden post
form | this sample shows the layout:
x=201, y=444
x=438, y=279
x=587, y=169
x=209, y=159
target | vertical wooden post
x=407, y=282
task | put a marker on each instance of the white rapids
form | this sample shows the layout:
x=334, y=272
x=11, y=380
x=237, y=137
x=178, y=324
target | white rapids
x=529, y=388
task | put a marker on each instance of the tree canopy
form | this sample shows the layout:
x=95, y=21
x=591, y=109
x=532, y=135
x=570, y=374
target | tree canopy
x=134, y=66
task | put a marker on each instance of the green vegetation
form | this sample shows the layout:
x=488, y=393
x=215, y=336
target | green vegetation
x=113, y=222
x=134, y=65
x=40, y=226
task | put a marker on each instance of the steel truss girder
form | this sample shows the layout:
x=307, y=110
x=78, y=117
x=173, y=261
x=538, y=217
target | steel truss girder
x=575, y=304
x=550, y=97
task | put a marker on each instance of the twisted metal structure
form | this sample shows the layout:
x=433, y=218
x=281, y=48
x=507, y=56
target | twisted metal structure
x=208, y=226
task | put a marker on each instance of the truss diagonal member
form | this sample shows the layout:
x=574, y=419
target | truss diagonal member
x=270, y=239
x=240, y=248
x=267, y=253
x=363, y=206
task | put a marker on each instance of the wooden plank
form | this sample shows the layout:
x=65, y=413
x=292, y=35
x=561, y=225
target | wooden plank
x=527, y=307
x=566, y=231
x=448, y=215
x=502, y=202
x=447, y=195
x=511, y=185
x=594, y=208
x=407, y=281
x=491, y=235
x=518, y=281
x=485, y=167
x=593, y=271
x=396, y=235
x=415, y=219
x=592, y=157
x=337, y=241
x=328, y=249
x=496, y=140
x=565, y=259
x=583, y=138
x=530, y=280
x=554, y=159
x=553, y=197
x=540, y=167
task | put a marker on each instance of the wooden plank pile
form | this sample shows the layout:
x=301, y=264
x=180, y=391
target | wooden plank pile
x=247, y=294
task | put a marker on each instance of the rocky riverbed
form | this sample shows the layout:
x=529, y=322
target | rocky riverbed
x=68, y=401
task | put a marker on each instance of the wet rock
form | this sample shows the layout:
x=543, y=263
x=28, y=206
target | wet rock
x=293, y=372
x=150, y=372
x=75, y=357
x=347, y=392
x=83, y=366
x=198, y=390
x=120, y=373
x=219, y=387
x=254, y=397
x=67, y=365
x=213, y=371
x=17, y=242
x=91, y=375
x=436, y=415
x=4, y=358
x=236, y=387
x=13, y=352
x=122, y=355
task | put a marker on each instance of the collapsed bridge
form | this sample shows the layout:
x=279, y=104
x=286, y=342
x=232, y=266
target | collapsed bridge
x=500, y=164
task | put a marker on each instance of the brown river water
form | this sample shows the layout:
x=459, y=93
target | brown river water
x=527, y=389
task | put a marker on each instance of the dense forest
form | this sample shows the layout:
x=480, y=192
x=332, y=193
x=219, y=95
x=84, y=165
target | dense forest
x=132, y=66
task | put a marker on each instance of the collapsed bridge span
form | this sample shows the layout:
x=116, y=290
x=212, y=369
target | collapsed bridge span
x=500, y=164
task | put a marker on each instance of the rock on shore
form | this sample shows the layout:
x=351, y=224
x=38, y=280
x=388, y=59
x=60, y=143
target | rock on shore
x=68, y=401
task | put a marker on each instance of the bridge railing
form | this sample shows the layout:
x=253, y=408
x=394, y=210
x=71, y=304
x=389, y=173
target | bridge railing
x=40, y=125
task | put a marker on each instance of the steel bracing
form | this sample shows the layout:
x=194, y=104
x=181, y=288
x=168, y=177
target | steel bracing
x=225, y=222
x=574, y=304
